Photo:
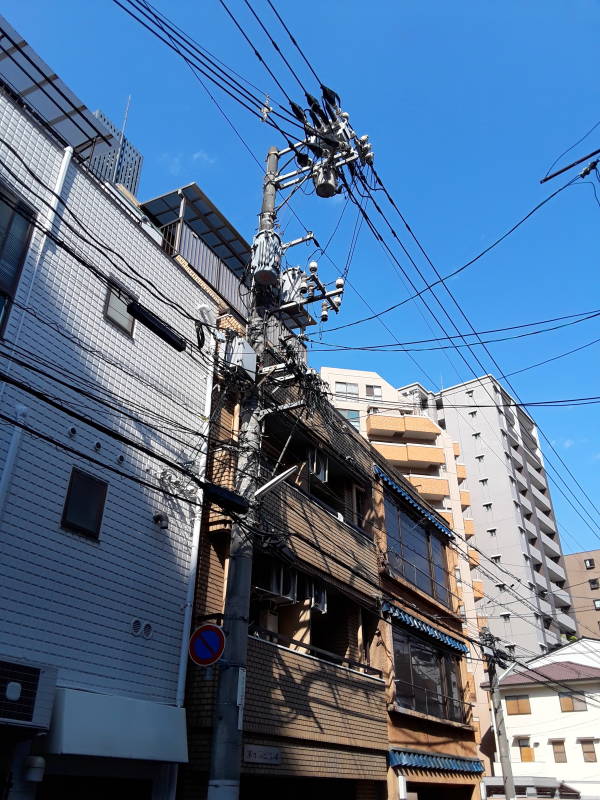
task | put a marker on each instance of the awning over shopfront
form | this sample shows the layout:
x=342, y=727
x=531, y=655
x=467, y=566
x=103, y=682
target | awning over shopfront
x=423, y=627
x=432, y=761
x=406, y=495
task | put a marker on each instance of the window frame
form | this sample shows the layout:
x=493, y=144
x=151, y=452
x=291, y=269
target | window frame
x=114, y=287
x=376, y=388
x=519, y=704
x=589, y=563
x=68, y=525
x=594, y=583
x=525, y=749
x=559, y=751
x=592, y=743
x=573, y=699
x=354, y=421
x=597, y=604
x=21, y=207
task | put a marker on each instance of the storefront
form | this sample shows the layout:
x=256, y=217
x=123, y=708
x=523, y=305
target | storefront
x=419, y=775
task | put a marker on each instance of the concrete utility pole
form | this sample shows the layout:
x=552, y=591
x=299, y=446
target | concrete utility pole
x=494, y=657
x=283, y=297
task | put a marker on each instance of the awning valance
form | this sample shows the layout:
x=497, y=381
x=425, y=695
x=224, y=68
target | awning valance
x=413, y=758
x=423, y=627
x=411, y=501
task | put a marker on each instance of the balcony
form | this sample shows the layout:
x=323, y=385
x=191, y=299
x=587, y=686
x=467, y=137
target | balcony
x=303, y=695
x=551, y=546
x=431, y=703
x=565, y=622
x=406, y=456
x=473, y=556
x=469, y=527
x=478, y=592
x=541, y=500
x=562, y=599
x=538, y=479
x=533, y=459
x=555, y=571
x=535, y=554
x=546, y=523
x=465, y=499
x=430, y=488
x=530, y=527
x=545, y=607
x=521, y=480
x=516, y=456
x=447, y=515
x=540, y=581
x=405, y=426
x=461, y=472
x=456, y=449
x=525, y=503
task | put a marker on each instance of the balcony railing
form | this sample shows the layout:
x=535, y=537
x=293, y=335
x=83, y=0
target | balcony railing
x=433, y=703
x=404, y=568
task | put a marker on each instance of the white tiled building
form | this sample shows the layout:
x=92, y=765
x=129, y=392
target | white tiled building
x=552, y=717
x=97, y=537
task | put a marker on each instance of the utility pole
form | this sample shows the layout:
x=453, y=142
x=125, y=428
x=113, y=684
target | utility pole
x=329, y=146
x=493, y=658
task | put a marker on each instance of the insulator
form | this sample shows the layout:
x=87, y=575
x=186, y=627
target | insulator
x=313, y=267
x=339, y=284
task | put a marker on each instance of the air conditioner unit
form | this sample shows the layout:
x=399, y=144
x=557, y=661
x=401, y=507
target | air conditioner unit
x=318, y=465
x=26, y=694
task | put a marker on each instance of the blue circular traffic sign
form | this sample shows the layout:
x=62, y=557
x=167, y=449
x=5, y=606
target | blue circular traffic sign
x=206, y=644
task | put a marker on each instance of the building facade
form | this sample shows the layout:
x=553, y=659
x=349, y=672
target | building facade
x=514, y=531
x=552, y=718
x=428, y=457
x=583, y=583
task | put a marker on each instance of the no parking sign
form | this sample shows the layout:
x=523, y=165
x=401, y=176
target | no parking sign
x=207, y=644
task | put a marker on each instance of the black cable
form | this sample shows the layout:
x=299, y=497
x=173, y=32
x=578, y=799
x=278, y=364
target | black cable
x=294, y=42
x=568, y=150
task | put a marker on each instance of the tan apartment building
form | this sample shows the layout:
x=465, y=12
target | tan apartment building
x=401, y=430
x=583, y=583
x=357, y=683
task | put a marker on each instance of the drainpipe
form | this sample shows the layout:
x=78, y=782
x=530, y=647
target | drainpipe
x=194, y=561
x=11, y=456
x=47, y=224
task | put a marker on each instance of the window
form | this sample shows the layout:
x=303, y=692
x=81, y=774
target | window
x=487, y=506
x=588, y=748
x=373, y=391
x=597, y=605
x=415, y=553
x=589, y=563
x=491, y=531
x=472, y=413
x=427, y=678
x=594, y=583
x=517, y=704
x=560, y=755
x=84, y=504
x=15, y=227
x=572, y=702
x=115, y=309
x=352, y=415
x=469, y=393
x=526, y=750
x=476, y=435
x=346, y=389
x=479, y=458
x=496, y=559
x=483, y=481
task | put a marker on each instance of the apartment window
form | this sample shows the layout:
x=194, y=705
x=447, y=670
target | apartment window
x=373, y=391
x=525, y=749
x=472, y=413
x=588, y=748
x=594, y=583
x=597, y=605
x=589, y=563
x=491, y=531
x=487, y=506
x=483, y=481
x=572, y=702
x=479, y=458
x=496, y=559
x=427, y=677
x=84, y=504
x=343, y=389
x=15, y=228
x=115, y=309
x=469, y=393
x=476, y=435
x=518, y=704
x=560, y=754
x=352, y=415
x=415, y=553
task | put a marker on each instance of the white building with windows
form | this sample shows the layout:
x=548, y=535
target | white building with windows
x=104, y=399
x=552, y=716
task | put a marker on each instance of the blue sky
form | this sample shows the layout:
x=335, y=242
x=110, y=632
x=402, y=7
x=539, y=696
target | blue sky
x=466, y=105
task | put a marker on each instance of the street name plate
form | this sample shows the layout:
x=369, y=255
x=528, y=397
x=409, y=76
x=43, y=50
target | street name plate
x=259, y=754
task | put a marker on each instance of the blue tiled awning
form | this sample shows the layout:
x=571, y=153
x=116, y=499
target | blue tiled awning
x=411, y=501
x=418, y=624
x=413, y=758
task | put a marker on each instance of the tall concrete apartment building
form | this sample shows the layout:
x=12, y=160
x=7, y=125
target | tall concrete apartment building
x=583, y=582
x=517, y=568
x=121, y=162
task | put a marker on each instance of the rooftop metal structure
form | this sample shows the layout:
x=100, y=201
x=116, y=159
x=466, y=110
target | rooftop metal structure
x=31, y=81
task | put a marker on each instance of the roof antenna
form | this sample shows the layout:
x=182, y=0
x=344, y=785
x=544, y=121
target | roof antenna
x=118, y=158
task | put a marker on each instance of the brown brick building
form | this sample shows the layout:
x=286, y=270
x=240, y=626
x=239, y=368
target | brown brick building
x=356, y=684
